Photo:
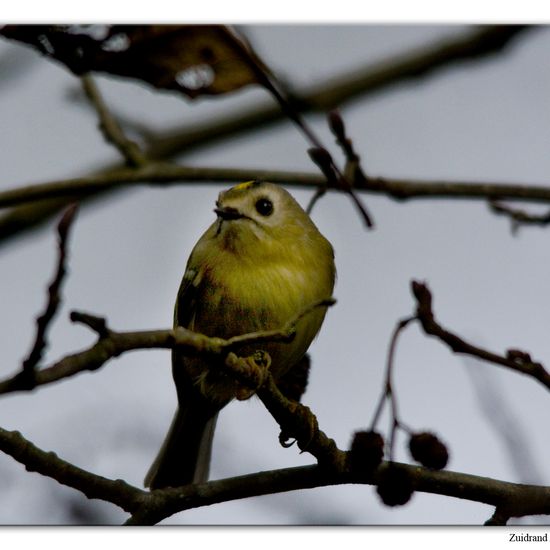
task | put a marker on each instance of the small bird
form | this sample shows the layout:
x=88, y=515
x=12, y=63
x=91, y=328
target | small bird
x=258, y=266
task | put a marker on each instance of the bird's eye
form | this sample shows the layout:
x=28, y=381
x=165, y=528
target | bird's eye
x=264, y=207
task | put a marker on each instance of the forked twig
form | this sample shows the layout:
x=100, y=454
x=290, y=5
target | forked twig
x=27, y=374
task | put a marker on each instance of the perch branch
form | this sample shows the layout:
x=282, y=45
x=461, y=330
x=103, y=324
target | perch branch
x=111, y=344
x=297, y=421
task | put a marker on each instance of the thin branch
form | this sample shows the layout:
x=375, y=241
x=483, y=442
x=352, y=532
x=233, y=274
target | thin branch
x=353, y=171
x=519, y=217
x=97, y=355
x=514, y=359
x=76, y=95
x=153, y=174
x=388, y=392
x=164, y=174
x=109, y=127
x=401, y=189
x=111, y=344
x=26, y=376
x=318, y=195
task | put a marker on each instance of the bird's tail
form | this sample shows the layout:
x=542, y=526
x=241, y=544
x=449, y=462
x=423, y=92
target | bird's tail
x=185, y=454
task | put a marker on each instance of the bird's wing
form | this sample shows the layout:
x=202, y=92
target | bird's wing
x=184, y=309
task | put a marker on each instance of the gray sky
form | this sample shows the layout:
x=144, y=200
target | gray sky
x=483, y=121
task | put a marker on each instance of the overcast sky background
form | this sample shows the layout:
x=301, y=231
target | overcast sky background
x=487, y=120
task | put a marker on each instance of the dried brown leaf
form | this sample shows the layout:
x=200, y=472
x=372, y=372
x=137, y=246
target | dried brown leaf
x=192, y=59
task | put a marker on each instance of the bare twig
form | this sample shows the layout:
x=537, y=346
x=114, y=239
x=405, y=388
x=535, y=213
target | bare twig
x=388, y=393
x=26, y=376
x=514, y=359
x=519, y=217
x=111, y=344
x=291, y=109
x=109, y=126
x=353, y=171
x=401, y=189
x=322, y=158
x=141, y=128
x=319, y=193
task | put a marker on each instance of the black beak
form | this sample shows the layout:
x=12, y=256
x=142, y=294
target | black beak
x=228, y=213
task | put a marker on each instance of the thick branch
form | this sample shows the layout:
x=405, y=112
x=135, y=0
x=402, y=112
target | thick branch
x=48, y=464
x=516, y=499
x=511, y=499
x=297, y=420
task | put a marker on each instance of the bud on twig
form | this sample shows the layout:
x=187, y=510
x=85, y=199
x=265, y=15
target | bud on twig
x=336, y=125
x=322, y=158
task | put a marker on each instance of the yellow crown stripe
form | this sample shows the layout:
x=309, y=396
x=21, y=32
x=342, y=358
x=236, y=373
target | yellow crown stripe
x=245, y=185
